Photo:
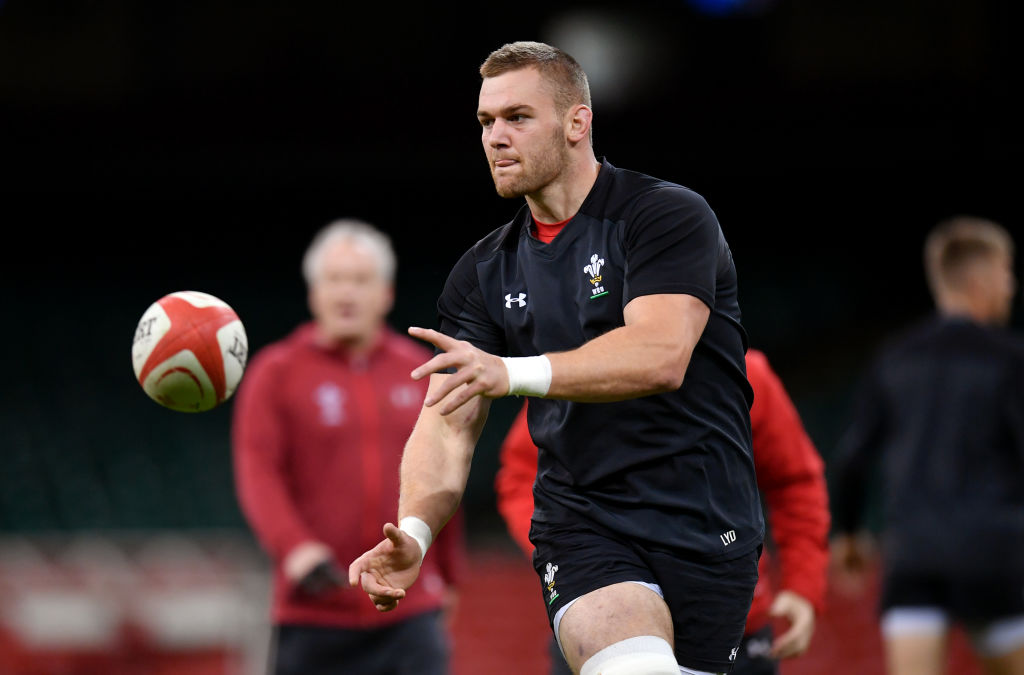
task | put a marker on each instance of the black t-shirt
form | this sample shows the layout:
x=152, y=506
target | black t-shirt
x=940, y=415
x=673, y=470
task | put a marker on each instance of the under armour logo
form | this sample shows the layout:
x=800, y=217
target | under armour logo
x=732, y=654
x=521, y=300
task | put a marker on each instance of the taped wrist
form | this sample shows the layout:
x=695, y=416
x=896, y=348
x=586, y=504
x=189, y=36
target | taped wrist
x=418, y=530
x=528, y=375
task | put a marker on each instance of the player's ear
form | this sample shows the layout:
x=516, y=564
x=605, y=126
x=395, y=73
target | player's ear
x=578, y=123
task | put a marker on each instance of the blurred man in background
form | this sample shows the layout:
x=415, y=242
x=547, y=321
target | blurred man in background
x=942, y=409
x=790, y=476
x=318, y=430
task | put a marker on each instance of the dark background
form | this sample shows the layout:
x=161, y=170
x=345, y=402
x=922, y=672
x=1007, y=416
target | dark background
x=155, y=147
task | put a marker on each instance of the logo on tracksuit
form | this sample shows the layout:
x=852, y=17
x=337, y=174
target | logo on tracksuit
x=330, y=398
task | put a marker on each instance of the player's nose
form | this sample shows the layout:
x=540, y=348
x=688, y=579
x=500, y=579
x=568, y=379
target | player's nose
x=498, y=135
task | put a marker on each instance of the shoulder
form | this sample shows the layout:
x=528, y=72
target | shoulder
x=643, y=190
x=1009, y=341
x=503, y=241
x=1006, y=348
x=504, y=238
x=646, y=206
x=909, y=338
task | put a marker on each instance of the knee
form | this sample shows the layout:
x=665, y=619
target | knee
x=643, y=655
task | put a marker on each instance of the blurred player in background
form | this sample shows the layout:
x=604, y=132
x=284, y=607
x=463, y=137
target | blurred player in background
x=942, y=410
x=318, y=430
x=605, y=290
x=790, y=476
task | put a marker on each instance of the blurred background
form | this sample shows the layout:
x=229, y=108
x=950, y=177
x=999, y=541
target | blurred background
x=153, y=147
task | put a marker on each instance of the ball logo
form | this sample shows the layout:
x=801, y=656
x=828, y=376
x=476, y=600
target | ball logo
x=189, y=351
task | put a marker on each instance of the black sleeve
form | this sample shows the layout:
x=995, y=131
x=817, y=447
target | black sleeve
x=673, y=242
x=856, y=453
x=462, y=313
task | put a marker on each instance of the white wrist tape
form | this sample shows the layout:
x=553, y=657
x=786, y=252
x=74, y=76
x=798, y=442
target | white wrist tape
x=528, y=375
x=418, y=530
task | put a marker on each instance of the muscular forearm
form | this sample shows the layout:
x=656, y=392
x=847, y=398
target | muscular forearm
x=436, y=462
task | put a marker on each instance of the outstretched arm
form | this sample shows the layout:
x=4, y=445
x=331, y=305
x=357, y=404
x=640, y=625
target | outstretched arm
x=435, y=467
x=647, y=355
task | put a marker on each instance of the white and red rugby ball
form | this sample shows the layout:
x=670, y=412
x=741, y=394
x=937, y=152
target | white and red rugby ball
x=189, y=351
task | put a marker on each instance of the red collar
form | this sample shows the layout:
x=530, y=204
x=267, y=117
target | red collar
x=546, y=232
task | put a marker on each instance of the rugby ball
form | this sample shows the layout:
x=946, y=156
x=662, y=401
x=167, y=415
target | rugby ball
x=189, y=351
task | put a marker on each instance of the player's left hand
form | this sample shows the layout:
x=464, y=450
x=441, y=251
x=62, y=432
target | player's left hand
x=482, y=374
x=800, y=614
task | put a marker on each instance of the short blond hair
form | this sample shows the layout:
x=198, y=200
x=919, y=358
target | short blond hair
x=569, y=85
x=956, y=243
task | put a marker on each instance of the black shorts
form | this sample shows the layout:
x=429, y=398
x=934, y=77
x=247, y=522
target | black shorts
x=972, y=598
x=708, y=601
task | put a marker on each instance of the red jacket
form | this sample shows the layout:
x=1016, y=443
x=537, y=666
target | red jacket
x=790, y=476
x=317, y=441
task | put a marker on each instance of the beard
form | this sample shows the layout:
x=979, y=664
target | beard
x=537, y=172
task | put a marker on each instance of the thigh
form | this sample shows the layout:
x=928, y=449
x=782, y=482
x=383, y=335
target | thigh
x=709, y=602
x=584, y=573
x=916, y=654
x=573, y=561
x=915, y=638
x=611, y=614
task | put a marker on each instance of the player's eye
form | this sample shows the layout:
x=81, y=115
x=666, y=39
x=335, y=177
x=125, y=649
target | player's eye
x=486, y=122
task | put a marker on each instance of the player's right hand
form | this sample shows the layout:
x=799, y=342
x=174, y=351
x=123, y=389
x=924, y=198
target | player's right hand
x=482, y=374
x=388, y=569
